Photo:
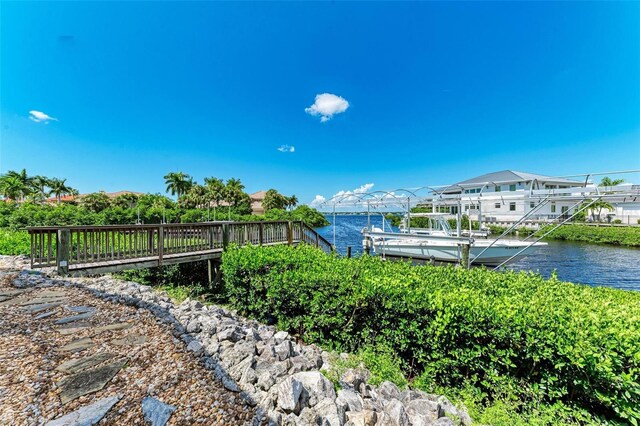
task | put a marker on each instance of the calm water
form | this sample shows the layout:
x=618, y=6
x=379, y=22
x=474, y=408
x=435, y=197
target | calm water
x=575, y=262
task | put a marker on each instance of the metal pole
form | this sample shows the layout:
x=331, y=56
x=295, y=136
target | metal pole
x=548, y=232
x=459, y=225
x=334, y=224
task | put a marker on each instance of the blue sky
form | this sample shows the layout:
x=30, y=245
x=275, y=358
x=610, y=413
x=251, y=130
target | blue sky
x=436, y=92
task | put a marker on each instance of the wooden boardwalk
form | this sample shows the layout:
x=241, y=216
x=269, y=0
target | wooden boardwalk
x=84, y=250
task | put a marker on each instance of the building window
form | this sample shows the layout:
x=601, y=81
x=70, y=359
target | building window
x=564, y=209
x=512, y=187
x=498, y=188
x=512, y=207
x=553, y=207
x=532, y=205
x=497, y=205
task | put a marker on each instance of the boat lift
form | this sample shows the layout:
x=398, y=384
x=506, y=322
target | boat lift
x=438, y=197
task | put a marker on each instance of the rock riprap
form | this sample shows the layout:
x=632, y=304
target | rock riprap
x=262, y=367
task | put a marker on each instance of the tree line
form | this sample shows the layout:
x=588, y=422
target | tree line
x=28, y=202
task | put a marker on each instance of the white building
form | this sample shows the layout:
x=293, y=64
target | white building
x=508, y=195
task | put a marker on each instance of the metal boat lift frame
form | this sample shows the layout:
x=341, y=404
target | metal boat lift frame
x=584, y=196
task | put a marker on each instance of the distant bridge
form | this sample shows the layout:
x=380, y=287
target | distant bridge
x=85, y=250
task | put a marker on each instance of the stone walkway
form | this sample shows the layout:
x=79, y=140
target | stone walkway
x=68, y=357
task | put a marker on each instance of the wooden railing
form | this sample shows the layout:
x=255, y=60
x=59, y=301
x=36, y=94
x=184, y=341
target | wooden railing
x=84, y=247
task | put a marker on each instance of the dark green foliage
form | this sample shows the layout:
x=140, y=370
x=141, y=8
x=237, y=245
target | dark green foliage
x=452, y=327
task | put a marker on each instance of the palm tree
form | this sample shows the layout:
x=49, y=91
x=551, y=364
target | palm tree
x=17, y=185
x=59, y=189
x=292, y=201
x=607, y=181
x=599, y=206
x=178, y=183
x=12, y=187
x=234, y=191
x=39, y=184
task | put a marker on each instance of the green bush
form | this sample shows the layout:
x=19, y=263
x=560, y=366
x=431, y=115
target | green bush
x=14, y=242
x=616, y=235
x=451, y=327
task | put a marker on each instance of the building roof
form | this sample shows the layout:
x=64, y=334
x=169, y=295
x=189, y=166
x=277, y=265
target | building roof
x=77, y=197
x=505, y=176
x=258, y=196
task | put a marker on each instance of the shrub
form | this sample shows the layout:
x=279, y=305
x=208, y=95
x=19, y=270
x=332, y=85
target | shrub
x=618, y=235
x=14, y=242
x=617, y=221
x=453, y=327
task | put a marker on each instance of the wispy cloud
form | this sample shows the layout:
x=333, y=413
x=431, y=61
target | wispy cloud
x=40, y=117
x=287, y=148
x=327, y=105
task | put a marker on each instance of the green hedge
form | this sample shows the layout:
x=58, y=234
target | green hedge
x=567, y=343
x=14, y=242
x=617, y=235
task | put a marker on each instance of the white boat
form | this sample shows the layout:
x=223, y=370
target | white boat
x=439, y=244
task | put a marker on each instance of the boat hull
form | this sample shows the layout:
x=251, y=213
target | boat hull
x=440, y=252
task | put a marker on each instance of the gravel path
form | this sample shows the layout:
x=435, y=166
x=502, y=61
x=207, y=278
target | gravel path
x=142, y=352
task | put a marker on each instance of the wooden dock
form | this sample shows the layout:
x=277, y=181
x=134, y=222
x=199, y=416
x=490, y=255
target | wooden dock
x=85, y=250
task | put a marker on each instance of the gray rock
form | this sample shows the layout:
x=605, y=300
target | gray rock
x=395, y=414
x=80, y=309
x=443, y=421
x=43, y=307
x=423, y=412
x=87, y=381
x=156, y=412
x=87, y=415
x=195, y=347
x=361, y=418
x=73, y=328
x=113, y=327
x=275, y=418
x=352, y=378
x=298, y=364
x=280, y=336
x=130, y=340
x=233, y=334
x=75, y=318
x=289, y=392
x=388, y=391
x=283, y=350
x=350, y=400
x=76, y=345
x=76, y=365
x=45, y=315
x=194, y=326
x=316, y=387
x=327, y=413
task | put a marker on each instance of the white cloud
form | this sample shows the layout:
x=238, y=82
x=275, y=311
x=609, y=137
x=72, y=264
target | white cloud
x=287, y=148
x=40, y=117
x=327, y=105
x=317, y=201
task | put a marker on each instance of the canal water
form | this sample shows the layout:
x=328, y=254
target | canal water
x=592, y=264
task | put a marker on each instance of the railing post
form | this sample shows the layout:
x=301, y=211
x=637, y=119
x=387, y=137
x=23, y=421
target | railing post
x=160, y=244
x=62, y=251
x=225, y=236
x=290, y=233
x=465, y=255
x=260, y=226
